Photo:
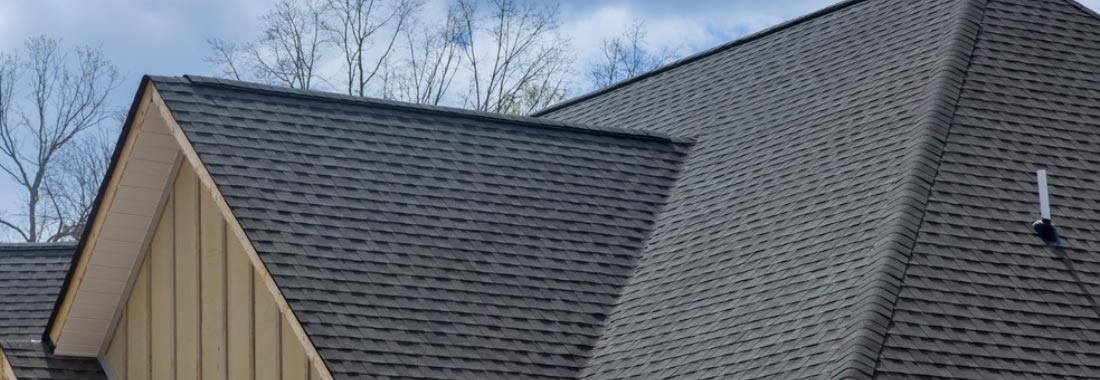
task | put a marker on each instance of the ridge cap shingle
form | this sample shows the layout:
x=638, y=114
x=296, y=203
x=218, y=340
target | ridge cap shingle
x=526, y=121
x=1084, y=8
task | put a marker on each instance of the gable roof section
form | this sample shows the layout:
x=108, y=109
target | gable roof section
x=30, y=279
x=424, y=242
x=783, y=245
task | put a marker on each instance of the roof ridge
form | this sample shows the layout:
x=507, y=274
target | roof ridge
x=1084, y=8
x=35, y=246
x=910, y=197
x=439, y=110
x=700, y=55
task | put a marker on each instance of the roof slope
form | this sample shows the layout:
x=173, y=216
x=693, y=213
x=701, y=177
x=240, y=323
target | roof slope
x=30, y=278
x=783, y=244
x=982, y=297
x=34, y=361
x=859, y=201
x=428, y=243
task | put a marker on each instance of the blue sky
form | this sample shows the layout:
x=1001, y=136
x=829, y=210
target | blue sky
x=168, y=37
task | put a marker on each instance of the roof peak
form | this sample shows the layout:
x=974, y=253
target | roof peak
x=203, y=81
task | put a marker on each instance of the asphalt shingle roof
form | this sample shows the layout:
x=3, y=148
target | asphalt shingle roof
x=34, y=361
x=982, y=297
x=878, y=153
x=30, y=278
x=779, y=251
x=429, y=243
x=848, y=195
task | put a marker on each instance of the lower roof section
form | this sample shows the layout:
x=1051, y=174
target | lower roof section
x=33, y=361
x=30, y=279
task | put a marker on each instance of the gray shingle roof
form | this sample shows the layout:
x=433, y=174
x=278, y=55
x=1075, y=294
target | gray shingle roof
x=33, y=361
x=855, y=202
x=30, y=279
x=982, y=297
x=782, y=244
x=879, y=152
x=429, y=243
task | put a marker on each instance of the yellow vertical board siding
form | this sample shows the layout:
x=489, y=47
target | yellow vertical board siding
x=187, y=274
x=267, y=333
x=212, y=283
x=200, y=308
x=239, y=311
x=137, y=327
x=162, y=304
x=293, y=355
x=116, y=350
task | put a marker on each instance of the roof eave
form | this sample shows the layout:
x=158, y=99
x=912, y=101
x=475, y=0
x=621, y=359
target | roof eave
x=127, y=126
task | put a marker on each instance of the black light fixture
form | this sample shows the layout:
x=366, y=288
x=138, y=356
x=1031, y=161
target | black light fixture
x=1045, y=225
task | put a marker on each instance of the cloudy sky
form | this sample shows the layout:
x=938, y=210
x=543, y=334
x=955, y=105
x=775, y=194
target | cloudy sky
x=168, y=37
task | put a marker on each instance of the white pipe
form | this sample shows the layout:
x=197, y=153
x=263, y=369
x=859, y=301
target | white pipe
x=1044, y=195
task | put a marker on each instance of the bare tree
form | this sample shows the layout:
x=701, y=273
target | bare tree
x=71, y=188
x=433, y=56
x=626, y=56
x=548, y=89
x=66, y=97
x=354, y=27
x=523, y=52
x=287, y=54
x=509, y=55
x=227, y=57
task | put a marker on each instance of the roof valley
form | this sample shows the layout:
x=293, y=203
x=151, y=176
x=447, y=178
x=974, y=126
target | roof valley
x=911, y=195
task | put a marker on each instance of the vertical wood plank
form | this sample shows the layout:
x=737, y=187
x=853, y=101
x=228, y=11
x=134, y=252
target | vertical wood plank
x=137, y=328
x=213, y=278
x=162, y=314
x=187, y=275
x=116, y=350
x=239, y=310
x=267, y=333
x=293, y=355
